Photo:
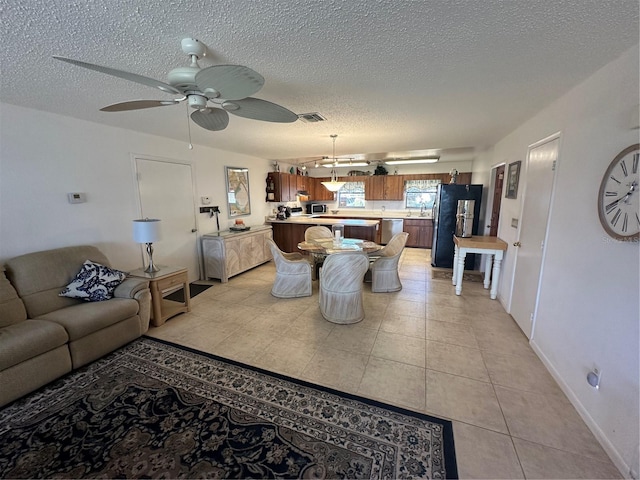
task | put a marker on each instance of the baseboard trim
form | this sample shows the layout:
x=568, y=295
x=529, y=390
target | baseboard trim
x=606, y=444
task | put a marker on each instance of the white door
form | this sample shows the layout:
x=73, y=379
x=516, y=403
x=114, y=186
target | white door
x=529, y=249
x=166, y=192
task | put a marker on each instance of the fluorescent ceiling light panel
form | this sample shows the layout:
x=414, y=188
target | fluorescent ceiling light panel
x=350, y=164
x=406, y=161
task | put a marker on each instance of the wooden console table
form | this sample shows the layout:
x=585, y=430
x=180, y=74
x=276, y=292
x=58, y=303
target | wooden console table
x=161, y=281
x=492, y=247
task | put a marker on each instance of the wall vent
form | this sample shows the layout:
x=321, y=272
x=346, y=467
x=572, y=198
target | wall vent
x=311, y=117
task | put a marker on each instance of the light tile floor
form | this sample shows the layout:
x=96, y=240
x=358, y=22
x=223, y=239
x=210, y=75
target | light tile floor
x=461, y=358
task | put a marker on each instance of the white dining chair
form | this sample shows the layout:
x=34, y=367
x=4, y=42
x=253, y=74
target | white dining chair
x=313, y=233
x=341, y=298
x=383, y=269
x=293, y=273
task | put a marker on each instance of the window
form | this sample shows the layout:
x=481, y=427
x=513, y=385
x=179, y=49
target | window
x=351, y=195
x=421, y=193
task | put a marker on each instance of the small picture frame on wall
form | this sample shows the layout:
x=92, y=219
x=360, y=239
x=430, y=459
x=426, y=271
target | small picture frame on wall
x=513, y=178
x=238, y=199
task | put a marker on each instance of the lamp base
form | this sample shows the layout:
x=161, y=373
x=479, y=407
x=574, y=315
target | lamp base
x=151, y=268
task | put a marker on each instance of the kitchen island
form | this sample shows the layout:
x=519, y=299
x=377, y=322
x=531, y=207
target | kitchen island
x=419, y=227
x=288, y=233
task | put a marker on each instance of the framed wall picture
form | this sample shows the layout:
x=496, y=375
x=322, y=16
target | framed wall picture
x=513, y=177
x=238, y=191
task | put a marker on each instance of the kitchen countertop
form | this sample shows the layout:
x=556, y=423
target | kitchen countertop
x=316, y=220
x=383, y=215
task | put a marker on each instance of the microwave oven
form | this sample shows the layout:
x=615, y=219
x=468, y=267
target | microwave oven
x=316, y=208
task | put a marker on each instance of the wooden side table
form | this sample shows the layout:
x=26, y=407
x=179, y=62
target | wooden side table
x=161, y=281
x=492, y=247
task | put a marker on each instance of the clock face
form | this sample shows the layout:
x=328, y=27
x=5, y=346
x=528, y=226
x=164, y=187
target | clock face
x=618, y=205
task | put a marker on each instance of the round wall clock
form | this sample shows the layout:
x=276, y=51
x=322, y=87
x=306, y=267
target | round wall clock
x=618, y=203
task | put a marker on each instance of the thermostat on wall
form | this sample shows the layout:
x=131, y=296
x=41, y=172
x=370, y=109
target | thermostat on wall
x=76, y=197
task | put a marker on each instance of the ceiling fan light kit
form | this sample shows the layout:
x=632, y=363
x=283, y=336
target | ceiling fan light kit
x=227, y=87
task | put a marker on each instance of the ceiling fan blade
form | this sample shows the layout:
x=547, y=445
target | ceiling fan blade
x=133, y=77
x=140, y=104
x=232, y=82
x=260, y=110
x=211, y=118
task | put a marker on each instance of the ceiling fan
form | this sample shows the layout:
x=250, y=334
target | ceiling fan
x=226, y=87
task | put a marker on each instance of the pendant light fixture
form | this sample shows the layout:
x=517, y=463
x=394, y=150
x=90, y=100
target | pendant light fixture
x=334, y=185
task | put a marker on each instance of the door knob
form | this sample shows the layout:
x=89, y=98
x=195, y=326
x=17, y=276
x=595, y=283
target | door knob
x=517, y=244
x=194, y=230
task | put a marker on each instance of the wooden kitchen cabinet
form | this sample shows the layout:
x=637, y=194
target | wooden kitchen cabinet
x=287, y=235
x=384, y=187
x=374, y=188
x=420, y=232
x=393, y=187
x=284, y=187
x=320, y=191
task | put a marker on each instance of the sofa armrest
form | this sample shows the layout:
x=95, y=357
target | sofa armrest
x=130, y=287
x=137, y=289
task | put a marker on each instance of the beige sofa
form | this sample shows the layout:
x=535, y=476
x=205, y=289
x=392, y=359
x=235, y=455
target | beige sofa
x=43, y=336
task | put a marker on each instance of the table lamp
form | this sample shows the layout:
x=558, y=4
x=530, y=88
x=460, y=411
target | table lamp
x=147, y=231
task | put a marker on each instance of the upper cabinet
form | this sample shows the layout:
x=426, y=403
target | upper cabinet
x=320, y=192
x=393, y=187
x=384, y=187
x=282, y=187
x=273, y=187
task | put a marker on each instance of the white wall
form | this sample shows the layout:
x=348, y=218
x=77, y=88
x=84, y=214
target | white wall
x=44, y=156
x=588, y=313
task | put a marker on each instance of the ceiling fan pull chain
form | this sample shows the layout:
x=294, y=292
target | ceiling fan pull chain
x=189, y=127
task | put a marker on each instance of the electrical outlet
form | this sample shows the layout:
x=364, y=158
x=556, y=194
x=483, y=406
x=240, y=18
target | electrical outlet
x=205, y=200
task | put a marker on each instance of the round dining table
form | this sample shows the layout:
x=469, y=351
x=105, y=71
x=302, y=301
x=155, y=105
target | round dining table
x=321, y=247
x=328, y=246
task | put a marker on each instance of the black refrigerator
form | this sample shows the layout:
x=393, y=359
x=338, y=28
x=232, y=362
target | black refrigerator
x=444, y=222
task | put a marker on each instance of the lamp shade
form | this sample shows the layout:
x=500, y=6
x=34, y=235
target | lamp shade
x=333, y=186
x=146, y=230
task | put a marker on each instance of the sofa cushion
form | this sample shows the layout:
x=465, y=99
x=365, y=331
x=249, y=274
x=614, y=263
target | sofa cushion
x=40, y=276
x=29, y=339
x=11, y=307
x=85, y=318
x=94, y=283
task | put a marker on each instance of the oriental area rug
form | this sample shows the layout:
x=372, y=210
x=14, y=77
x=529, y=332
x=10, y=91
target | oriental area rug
x=155, y=409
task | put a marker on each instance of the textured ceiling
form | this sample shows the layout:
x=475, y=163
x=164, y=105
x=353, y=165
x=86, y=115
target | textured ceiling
x=389, y=75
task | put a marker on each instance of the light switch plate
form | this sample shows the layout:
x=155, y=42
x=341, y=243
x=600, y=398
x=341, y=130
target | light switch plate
x=76, y=197
x=514, y=222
